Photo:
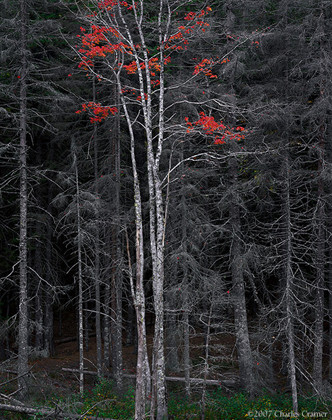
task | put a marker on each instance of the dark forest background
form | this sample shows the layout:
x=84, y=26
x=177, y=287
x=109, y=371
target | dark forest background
x=248, y=245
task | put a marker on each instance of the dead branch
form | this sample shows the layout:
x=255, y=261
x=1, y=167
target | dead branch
x=54, y=414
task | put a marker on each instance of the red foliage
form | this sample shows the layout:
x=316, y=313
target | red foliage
x=154, y=64
x=109, y=4
x=204, y=67
x=100, y=112
x=178, y=41
x=101, y=41
x=219, y=130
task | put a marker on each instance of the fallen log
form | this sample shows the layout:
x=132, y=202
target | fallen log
x=86, y=372
x=54, y=414
x=225, y=382
x=69, y=339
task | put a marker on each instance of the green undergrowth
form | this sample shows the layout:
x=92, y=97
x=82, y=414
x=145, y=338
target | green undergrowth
x=103, y=401
x=266, y=406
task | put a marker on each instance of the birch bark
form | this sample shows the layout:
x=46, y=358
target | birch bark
x=97, y=249
x=143, y=376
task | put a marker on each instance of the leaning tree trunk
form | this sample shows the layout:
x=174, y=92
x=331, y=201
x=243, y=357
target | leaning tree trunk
x=23, y=249
x=239, y=299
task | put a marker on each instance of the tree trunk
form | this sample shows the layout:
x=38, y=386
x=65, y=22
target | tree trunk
x=23, y=350
x=172, y=343
x=319, y=302
x=48, y=412
x=107, y=300
x=186, y=350
x=106, y=310
x=86, y=323
x=288, y=294
x=320, y=222
x=130, y=330
x=206, y=360
x=38, y=284
x=116, y=282
x=38, y=287
x=330, y=291
x=157, y=254
x=39, y=328
x=48, y=311
x=97, y=249
x=80, y=283
x=239, y=299
x=329, y=244
x=185, y=294
x=143, y=377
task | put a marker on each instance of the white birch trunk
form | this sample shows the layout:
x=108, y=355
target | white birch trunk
x=97, y=251
x=143, y=376
x=156, y=212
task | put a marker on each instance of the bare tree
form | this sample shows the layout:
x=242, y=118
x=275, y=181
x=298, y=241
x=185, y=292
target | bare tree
x=23, y=349
x=80, y=279
x=97, y=249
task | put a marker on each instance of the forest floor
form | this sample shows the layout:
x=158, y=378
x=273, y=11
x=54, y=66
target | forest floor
x=66, y=355
x=49, y=378
x=48, y=381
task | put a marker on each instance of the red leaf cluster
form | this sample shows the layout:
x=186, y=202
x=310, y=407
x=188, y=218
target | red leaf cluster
x=109, y=4
x=204, y=67
x=176, y=41
x=99, y=112
x=220, y=131
x=98, y=43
